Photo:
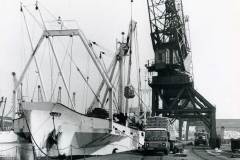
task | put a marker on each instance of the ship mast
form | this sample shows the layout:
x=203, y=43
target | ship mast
x=125, y=50
x=121, y=85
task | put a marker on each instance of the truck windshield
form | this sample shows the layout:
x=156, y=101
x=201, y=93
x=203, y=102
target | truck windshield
x=153, y=135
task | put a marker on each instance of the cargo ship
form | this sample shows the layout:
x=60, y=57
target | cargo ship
x=59, y=130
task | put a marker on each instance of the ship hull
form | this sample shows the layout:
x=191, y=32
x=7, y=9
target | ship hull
x=77, y=134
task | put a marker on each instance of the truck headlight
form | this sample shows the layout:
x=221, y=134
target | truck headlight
x=163, y=144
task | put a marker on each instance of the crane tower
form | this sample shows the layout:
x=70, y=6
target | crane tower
x=171, y=79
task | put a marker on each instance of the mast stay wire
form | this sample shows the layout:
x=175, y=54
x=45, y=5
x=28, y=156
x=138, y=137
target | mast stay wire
x=50, y=13
x=70, y=67
x=43, y=26
x=138, y=69
x=32, y=48
x=93, y=51
x=60, y=72
x=74, y=65
x=34, y=18
x=129, y=41
x=111, y=53
x=62, y=63
x=24, y=57
x=52, y=71
x=36, y=81
x=85, y=79
x=55, y=56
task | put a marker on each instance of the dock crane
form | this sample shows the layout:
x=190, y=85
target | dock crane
x=170, y=78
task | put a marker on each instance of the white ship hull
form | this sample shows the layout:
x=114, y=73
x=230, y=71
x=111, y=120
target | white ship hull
x=7, y=137
x=8, y=144
x=79, y=135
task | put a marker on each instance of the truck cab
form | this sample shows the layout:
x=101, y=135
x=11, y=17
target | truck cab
x=201, y=138
x=157, y=139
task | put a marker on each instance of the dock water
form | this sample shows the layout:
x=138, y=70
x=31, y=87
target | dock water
x=15, y=151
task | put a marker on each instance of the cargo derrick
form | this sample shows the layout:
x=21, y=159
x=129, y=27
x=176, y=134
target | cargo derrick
x=170, y=79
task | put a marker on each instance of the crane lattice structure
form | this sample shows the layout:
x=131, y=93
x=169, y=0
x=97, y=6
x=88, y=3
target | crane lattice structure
x=170, y=79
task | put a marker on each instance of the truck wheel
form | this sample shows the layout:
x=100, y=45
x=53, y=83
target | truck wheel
x=181, y=150
x=175, y=150
x=166, y=152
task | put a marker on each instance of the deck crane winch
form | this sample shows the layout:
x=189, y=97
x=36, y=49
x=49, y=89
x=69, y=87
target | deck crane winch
x=172, y=82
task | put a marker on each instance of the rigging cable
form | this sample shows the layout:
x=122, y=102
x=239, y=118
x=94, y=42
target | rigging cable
x=70, y=67
x=129, y=45
x=55, y=56
x=24, y=55
x=60, y=72
x=87, y=82
x=142, y=100
x=51, y=70
x=62, y=63
x=138, y=70
x=85, y=79
x=36, y=81
x=50, y=13
x=35, y=60
x=103, y=48
x=93, y=51
x=36, y=20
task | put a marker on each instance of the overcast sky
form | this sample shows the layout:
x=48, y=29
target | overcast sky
x=214, y=26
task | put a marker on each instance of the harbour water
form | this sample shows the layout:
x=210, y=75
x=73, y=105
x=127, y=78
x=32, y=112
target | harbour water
x=15, y=151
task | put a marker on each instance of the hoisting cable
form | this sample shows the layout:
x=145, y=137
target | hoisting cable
x=60, y=72
x=131, y=11
x=62, y=63
x=129, y=44
x=138, y=70
x=85, y=79
x=55, y=56
x=91, y=48
x=24, y=56
x=70, y=67
x=42, y=6
x=40, y=14
x=141, y=100
x=36, y=20
x=85, y=99
x=51, y=71
x=54, y=17
x=35, y=60
x=103, y=48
